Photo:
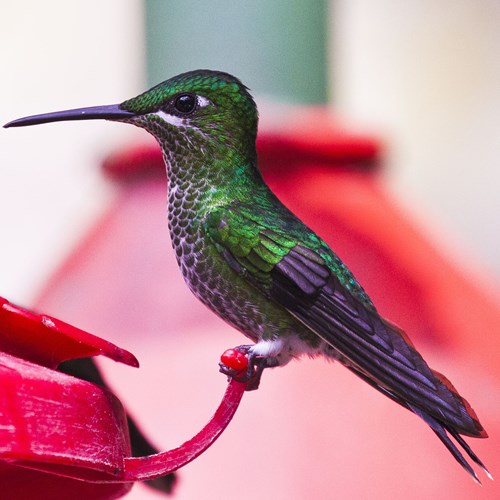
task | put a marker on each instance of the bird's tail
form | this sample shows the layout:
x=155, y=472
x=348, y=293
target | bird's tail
x=441, y=431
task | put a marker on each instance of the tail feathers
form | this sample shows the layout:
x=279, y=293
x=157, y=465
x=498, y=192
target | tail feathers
x=440, y=428
x=474, y=427
x=460, y=440
x=441, y=432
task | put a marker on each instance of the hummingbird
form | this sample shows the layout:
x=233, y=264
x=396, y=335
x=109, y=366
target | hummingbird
x=259, y=267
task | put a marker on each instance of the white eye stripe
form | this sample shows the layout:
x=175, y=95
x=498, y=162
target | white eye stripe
x=202, y=101
x=176, y=121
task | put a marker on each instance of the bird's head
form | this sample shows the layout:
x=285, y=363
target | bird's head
x=201, y=109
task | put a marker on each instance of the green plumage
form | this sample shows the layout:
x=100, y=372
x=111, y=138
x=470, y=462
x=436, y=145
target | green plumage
x=256, y=265
x=250, y=260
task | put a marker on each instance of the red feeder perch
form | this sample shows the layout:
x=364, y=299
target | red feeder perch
x=62, y=437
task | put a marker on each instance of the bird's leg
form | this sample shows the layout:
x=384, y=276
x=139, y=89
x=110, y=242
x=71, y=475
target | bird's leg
x=253, y=373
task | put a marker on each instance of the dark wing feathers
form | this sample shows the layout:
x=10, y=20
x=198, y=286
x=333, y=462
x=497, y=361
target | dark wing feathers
x=303, y=270
x=376, y=351
x=305, y=279
x=368, y=342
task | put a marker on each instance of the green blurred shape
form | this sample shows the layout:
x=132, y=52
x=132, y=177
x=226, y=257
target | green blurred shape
x=276, y=47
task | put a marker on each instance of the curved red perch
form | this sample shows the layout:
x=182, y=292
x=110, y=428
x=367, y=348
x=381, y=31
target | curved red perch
x=143, y=468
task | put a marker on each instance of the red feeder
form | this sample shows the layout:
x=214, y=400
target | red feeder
x=62, y=437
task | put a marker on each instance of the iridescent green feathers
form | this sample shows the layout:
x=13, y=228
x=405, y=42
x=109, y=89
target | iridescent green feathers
x=213, y=84
x=257, y=236
x=231, y=118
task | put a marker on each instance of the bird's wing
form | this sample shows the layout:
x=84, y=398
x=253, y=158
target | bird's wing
x=304, y=279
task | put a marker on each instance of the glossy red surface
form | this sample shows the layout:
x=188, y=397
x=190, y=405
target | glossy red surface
x=57, y=432
x=234, y=359
x=62, y=437
x=48, y=341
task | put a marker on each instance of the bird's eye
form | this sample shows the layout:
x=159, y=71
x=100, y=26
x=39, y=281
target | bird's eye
x=185, y=103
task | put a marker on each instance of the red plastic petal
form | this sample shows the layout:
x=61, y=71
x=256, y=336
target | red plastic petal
x=51, y=421
x=48, y=341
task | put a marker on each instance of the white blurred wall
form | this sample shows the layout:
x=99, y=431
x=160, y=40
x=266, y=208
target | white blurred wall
x=426, y=75
x=54, y=55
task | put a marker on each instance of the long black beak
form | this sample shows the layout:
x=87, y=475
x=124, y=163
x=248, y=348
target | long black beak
x=110, y=112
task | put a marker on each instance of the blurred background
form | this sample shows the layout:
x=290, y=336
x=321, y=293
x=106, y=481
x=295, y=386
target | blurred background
x=423, y=77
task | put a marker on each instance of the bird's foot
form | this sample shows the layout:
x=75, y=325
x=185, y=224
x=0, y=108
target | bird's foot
x=248, y=371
